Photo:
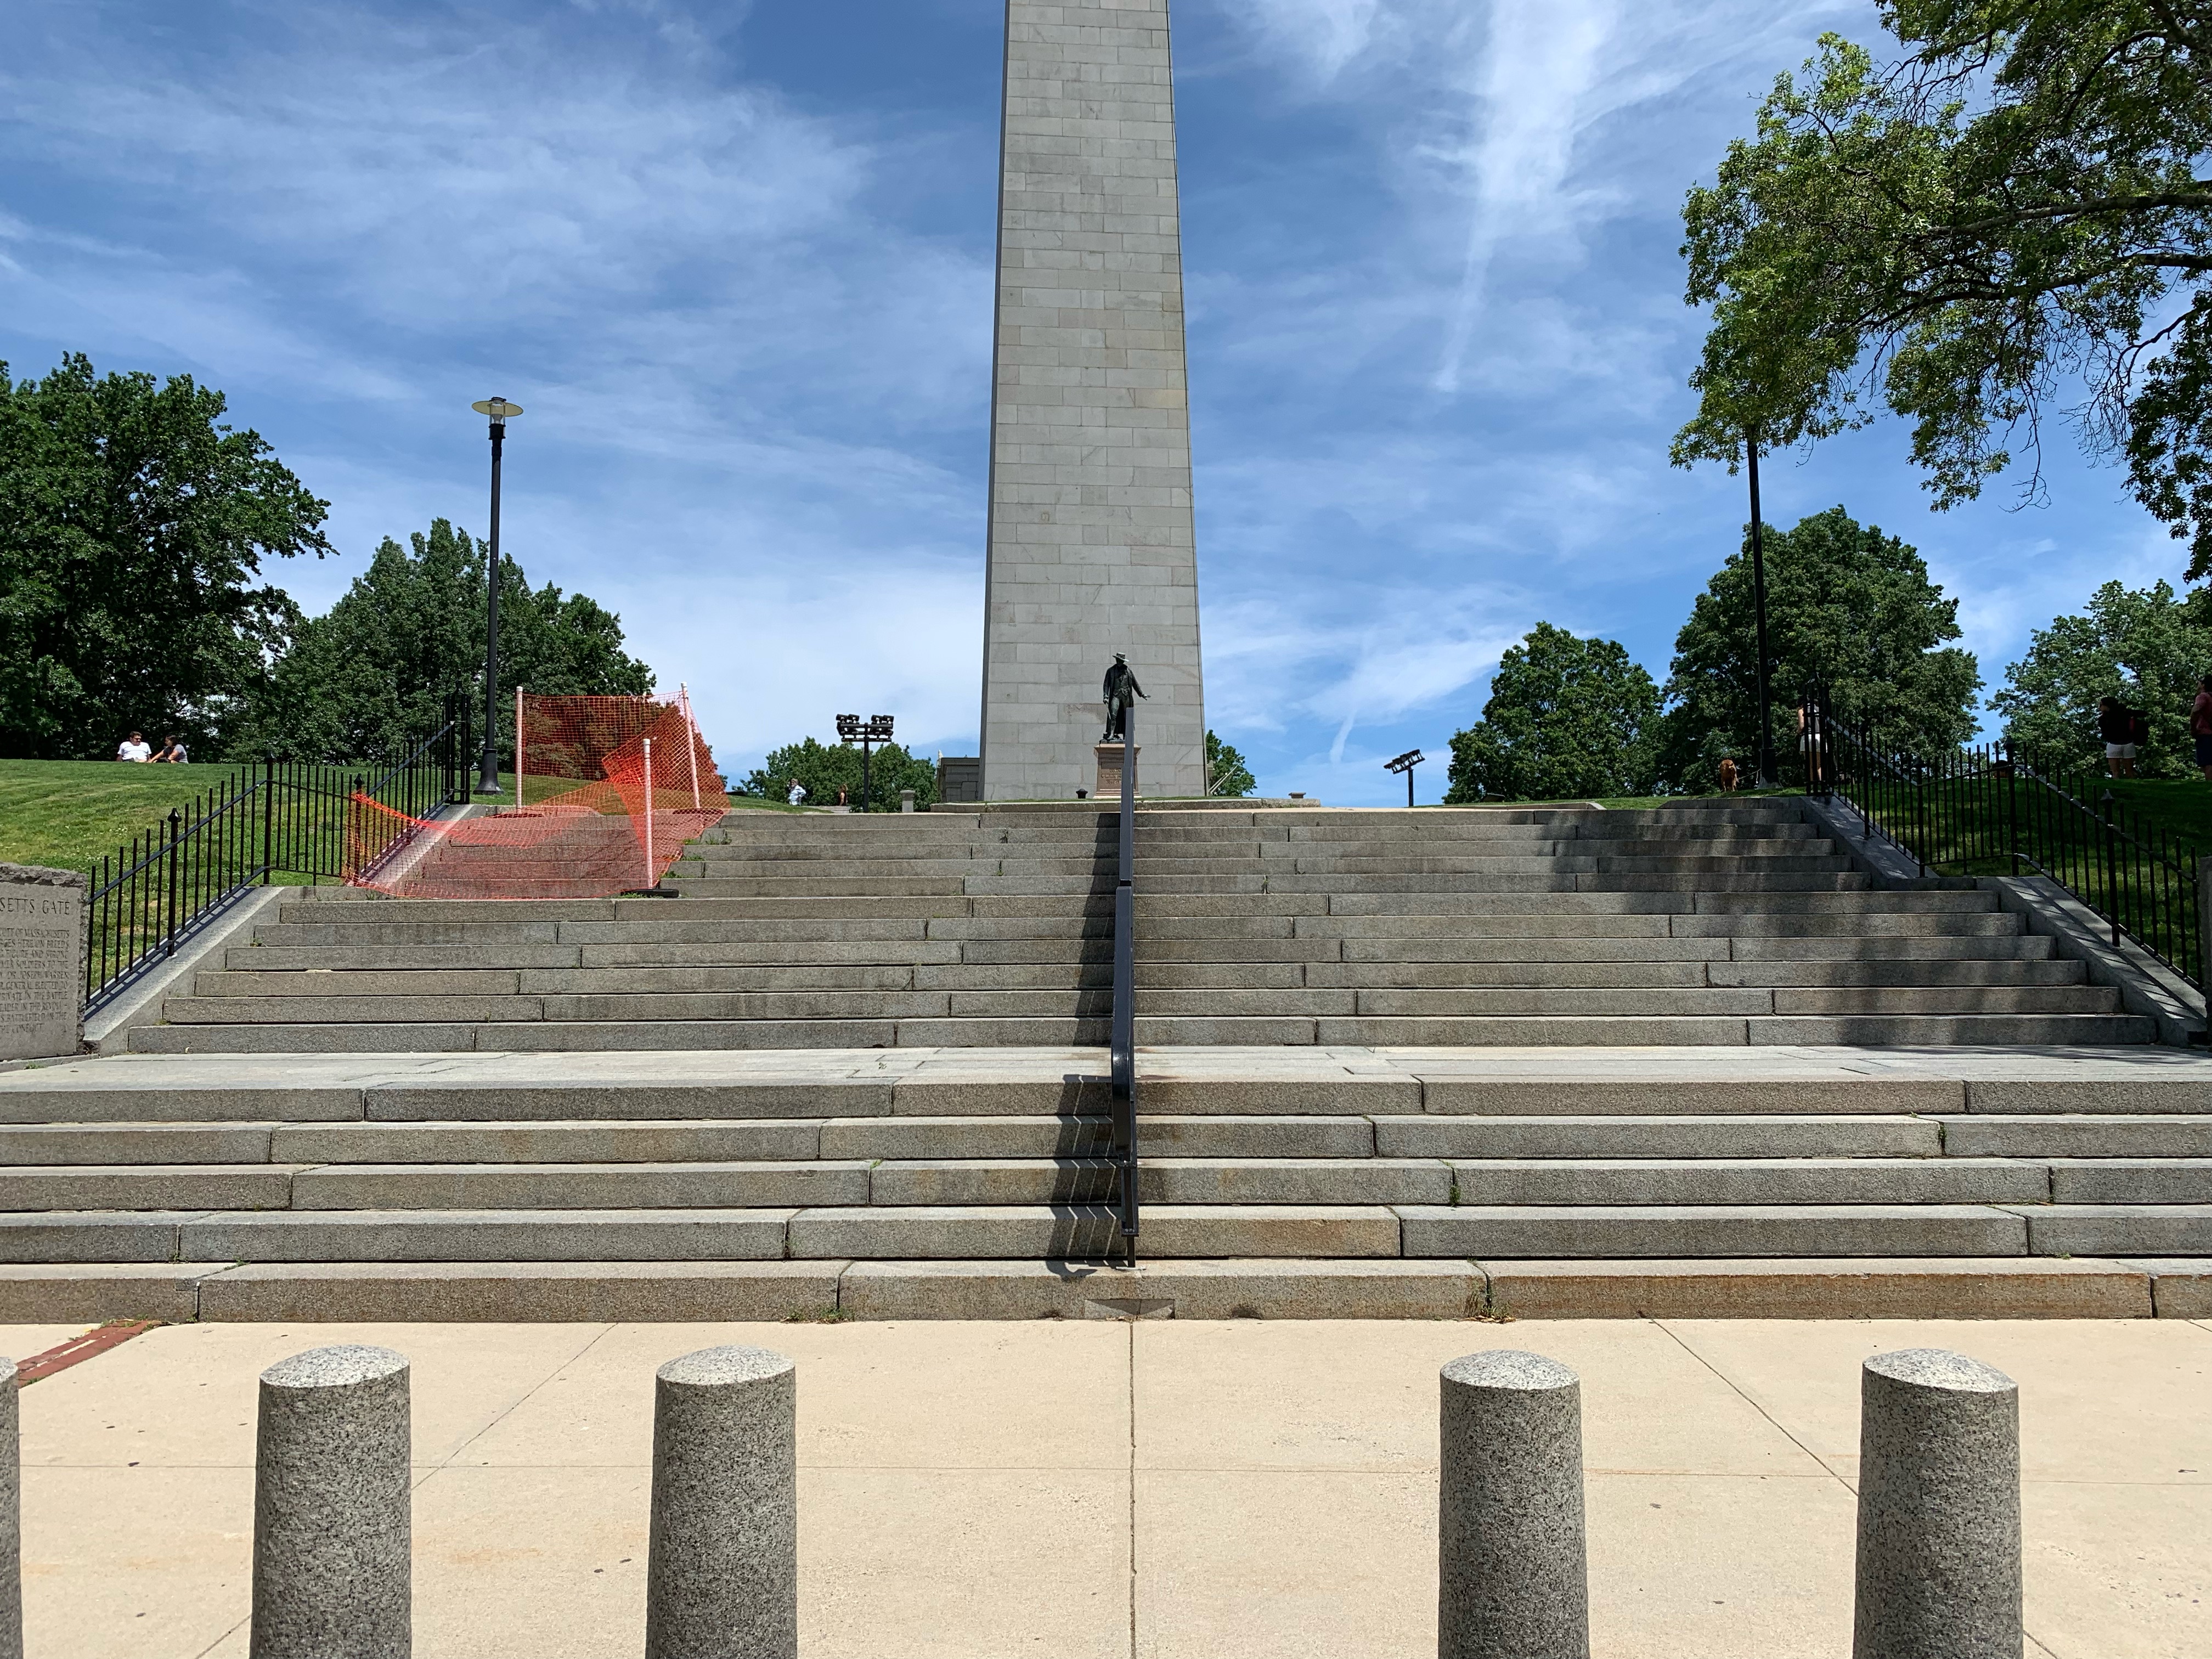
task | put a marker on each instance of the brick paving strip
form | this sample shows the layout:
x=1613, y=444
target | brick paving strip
x=78, y=1349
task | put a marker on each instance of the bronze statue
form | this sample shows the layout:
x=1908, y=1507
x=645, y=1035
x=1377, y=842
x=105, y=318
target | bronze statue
x=1120, y=688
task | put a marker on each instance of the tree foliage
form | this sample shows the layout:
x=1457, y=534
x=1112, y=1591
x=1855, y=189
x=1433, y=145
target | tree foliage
x=1846, y=606
x=133, y=523
x=375, y=671
x=2146, y=646
x=1567, y=717
x=826, y=768
x=2012, y=204
x=1226, y=774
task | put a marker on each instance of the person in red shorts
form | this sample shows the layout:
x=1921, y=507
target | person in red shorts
x=2199, y=727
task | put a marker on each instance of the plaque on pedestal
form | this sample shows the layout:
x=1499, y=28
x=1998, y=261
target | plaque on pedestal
x=1110, y=774
x=41, y=962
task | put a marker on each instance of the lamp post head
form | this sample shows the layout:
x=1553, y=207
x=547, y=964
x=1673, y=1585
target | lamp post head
x=499, y=409
x=1404, y=762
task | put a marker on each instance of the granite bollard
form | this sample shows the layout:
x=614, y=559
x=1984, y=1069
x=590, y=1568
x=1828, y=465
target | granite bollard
x=722, y=1564
x=332, y=1526
x=1939, y=1508
x=1512, y=1576
x=11, y=1515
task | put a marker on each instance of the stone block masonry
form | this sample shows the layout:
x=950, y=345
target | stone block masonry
x=1091, y=548
x=42, y=960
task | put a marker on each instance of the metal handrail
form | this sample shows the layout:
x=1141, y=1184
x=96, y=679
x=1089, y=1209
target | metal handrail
x=168, y=883
x=1123, y=1051
x=1991, y=804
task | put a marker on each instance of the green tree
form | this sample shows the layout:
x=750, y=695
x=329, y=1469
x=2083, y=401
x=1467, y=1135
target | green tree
x=826, y=768
x=1845, y=605
x=2146, y=646
x=133, y=523
x=1226, y=774
x=1961, y=234
x=1567, y=717
x=374, y=672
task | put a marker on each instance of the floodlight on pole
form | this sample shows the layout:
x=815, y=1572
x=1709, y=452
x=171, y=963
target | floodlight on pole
x=499, y=412
x=1406, y=763
x=868, y=733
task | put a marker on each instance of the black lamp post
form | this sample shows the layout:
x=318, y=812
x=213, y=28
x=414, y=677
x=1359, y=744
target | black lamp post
x=501, y=412
x=876, y=729
x=1406, y=763
x=1765, y=757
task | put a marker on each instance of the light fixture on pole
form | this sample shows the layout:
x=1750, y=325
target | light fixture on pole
x=876, y=729
x=501, y=412
x=1764, y=759
x=1406, y=763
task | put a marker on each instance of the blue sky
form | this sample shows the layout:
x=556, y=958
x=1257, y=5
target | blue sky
x=735, y=261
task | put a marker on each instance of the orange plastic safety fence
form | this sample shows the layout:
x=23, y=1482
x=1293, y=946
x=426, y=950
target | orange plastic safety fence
x=587, y=823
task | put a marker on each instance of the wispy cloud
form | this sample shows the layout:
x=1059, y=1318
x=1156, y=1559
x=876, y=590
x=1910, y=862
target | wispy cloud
x=739, y=369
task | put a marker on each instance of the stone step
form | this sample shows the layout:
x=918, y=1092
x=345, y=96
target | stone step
x=1687, y=1231
x=1510, y=1031
x=2158, y=1149
x=1194, y=1288
x=1044, y=1232
x=1004, y=1181
x=1295, y=862
x=301, y=1003
x=2116, y=1135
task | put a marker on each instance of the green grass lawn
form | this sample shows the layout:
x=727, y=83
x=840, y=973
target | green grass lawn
x=68, y=814
x=2181, y=807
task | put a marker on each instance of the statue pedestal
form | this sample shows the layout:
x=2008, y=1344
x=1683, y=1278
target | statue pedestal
x=1108, y=792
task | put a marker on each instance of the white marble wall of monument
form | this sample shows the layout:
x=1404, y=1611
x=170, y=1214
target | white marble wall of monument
x=1091, y=548
x=41, y=962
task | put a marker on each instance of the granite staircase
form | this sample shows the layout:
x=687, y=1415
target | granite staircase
x=1433, y=1063
x=1686, y=926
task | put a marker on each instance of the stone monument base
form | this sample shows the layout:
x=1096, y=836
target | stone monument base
x=41, y=962
x=1109, y=772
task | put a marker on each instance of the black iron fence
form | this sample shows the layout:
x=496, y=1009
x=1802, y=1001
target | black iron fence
x=275, y=818
x=1989, y=810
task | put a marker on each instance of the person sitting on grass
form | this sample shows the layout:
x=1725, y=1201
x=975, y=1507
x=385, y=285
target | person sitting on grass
x=173, y=753
x=134, y=749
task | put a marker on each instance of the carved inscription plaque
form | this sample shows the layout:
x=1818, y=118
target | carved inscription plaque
x=41, y=962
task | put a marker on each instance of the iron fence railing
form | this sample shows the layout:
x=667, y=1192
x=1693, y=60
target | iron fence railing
x=1987, y=810
x=288, y=817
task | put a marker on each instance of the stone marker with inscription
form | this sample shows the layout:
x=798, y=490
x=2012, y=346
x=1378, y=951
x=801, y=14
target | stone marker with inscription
x=41, y=962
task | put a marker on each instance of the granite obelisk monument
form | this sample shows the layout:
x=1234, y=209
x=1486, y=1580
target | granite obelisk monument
x=1091, y=551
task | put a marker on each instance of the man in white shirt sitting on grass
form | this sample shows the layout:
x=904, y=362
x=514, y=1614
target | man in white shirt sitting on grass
x=134, y=748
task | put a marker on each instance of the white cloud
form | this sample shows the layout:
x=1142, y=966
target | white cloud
x=738, y=373
x=1324, y=36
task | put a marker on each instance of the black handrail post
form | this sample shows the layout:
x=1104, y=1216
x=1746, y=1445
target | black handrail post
x=349, y=853
x=169, y=866
x=268, y=817
x=2011, y=802
x=1123, y=1049
x=2111, y=869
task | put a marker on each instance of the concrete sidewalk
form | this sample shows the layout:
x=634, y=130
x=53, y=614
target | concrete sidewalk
x=1156, y=1489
